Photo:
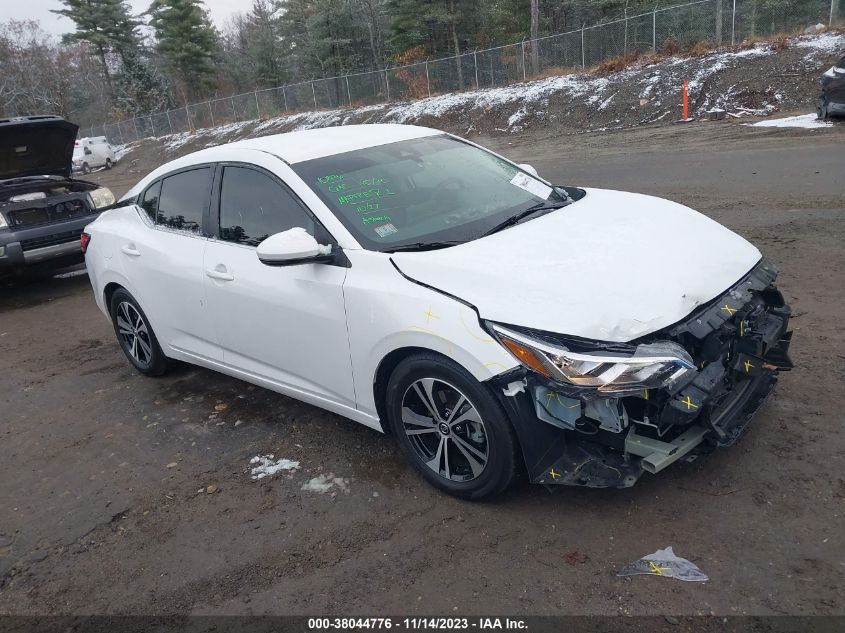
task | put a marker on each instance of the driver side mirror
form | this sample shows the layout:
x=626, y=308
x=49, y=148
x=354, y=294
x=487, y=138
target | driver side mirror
x=529, y=168
x=294, y=246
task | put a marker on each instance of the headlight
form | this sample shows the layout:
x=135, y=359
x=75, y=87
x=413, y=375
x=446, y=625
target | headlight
x=651, y=366
x=102, y=197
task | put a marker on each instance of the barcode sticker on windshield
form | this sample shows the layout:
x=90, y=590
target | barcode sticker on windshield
x=531, y=185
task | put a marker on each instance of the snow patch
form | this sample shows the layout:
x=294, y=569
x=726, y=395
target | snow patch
x=72, y=273
x=122, y=150
x=827, y=42
x=324, y=483
x=175, y=141
x=267, y=466
x=807, y=121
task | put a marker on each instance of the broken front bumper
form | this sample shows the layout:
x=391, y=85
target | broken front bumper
x=739, y=343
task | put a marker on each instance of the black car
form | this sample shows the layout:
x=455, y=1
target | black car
x=832, y=99
x=42, y=209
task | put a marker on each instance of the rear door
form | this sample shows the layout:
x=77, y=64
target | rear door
x=163, y=258
x=837, y=86
x=285, y=324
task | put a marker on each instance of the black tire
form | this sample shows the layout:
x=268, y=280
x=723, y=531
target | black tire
x=108, y=163
x=138, y=341
x=86, y=169
x=822, y=109
x=457, y=469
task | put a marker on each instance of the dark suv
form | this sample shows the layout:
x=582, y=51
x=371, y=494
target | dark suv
x=42, y=209
x=832, y=99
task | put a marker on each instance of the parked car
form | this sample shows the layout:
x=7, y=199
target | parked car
x=832, y=99
x=92, y=153
x=42, y=209
x=422, y=285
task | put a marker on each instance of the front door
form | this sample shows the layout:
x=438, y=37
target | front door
x=286, y=324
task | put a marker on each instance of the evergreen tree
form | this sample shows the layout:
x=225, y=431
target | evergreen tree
x=106, y=24
x=187, y=42
x=138, y=88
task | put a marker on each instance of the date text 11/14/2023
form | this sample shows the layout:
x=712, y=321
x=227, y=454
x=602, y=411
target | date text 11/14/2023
x=417, y=623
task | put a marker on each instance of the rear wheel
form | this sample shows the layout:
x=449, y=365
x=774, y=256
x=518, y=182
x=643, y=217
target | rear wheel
x=822, y=109
x=108, y=163
x=136, y=337
x=450, y=428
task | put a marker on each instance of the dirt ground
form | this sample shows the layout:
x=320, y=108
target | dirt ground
x=126, y=494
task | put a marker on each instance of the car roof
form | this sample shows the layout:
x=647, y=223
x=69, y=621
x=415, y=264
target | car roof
x=297, y=147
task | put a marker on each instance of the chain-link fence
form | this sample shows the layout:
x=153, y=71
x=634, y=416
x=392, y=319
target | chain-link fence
x=711, y=22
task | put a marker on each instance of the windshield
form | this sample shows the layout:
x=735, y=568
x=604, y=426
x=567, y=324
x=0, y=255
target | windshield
x=426, y=190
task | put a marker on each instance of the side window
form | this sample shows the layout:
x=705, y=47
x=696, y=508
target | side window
x=253, y=207
x=184, y=199
x=149, y=201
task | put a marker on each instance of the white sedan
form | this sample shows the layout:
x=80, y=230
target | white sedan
x=422, y=285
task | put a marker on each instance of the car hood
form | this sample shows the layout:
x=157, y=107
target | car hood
x=36, y=147
x=613, y=266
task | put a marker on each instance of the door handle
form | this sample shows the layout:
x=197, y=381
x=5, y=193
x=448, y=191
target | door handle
x=222, y=275
x=129, y=249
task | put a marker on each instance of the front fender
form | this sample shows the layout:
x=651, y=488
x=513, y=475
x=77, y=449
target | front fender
x=387, y=312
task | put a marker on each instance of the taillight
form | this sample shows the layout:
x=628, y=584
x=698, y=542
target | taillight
x=84, y=241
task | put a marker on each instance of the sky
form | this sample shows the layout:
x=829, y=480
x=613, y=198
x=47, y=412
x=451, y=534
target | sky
x=39, y=10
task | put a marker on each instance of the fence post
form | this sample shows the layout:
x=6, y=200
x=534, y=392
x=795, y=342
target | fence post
x=583, y=54
x=719, y=23
x=119, y=131
x=427, y=82
x=833, y=4
x=654, y=30
x=152, y=125
x=232, y=100
x=625, y=46
x=733, y=25
x=387, y=84
x=169, y=122
x=188, y=115
x=257, y=107
x=524, y=74
x=211, y=113
x=135, y=123
x=285, y=97
x=348, y=92
x=475, y=63
x=314, y=94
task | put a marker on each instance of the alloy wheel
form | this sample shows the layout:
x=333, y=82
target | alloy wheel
x=134, y=333
x=445, y=429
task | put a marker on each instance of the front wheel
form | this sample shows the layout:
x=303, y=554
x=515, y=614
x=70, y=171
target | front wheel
x=86, y=168
x=136, y=337
x=450, y=428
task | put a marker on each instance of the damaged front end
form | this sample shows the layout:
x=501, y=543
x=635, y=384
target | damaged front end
x=601, y=414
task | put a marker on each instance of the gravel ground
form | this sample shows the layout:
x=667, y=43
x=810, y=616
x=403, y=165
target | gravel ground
x=133, y=495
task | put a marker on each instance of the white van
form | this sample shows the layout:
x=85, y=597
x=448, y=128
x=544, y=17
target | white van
x=92, y=152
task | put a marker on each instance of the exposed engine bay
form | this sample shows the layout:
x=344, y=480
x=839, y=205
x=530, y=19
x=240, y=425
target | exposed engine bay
x=725, y=359
x=44, y=200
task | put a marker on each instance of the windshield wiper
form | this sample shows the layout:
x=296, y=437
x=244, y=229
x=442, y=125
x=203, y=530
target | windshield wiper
x=516, y=219
x=423, y=246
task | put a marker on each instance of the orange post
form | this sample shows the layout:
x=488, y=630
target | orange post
x=686, y=100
